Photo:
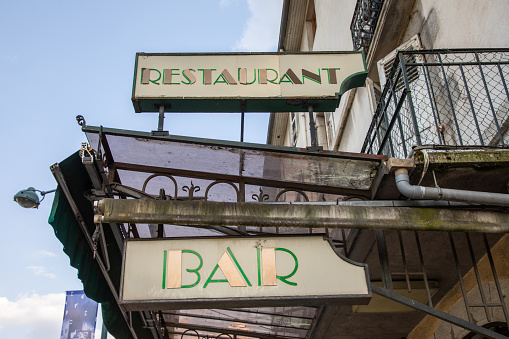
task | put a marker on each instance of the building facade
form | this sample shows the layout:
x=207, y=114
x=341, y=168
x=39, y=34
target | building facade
x=408, y=178
x=444, y=97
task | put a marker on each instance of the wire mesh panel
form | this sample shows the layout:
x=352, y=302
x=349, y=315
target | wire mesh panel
x=452, y=98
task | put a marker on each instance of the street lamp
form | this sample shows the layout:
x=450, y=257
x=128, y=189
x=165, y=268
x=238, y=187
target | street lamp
x=29, y=199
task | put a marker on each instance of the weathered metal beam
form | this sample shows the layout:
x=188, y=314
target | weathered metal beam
x=207, y=213
x=436, y=313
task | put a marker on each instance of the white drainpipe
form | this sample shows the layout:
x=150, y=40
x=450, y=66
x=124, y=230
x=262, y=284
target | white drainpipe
x=437, y=193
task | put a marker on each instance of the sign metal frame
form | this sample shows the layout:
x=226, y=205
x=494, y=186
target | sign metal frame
x=196, y=102
x=269, y=301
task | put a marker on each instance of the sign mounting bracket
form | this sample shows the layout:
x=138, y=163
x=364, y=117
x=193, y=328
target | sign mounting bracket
x=160, y=129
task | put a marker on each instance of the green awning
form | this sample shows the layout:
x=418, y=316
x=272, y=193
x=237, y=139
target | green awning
x=68, y=231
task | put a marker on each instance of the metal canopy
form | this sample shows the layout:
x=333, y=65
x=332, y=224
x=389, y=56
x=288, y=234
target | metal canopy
x=103, y=176
x=138, y=164
x=286, y=167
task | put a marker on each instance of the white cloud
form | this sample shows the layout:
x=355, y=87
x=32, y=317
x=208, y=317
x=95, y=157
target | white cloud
x=44, y=254
x=261, y=31
x=41, y=271
x=41, y=315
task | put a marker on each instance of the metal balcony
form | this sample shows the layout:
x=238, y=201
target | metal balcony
x=452, y=98
x=364, y=22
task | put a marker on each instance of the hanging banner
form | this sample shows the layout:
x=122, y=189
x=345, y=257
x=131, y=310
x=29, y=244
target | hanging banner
x=249, y=82
x=80, y=316
x=239, y=272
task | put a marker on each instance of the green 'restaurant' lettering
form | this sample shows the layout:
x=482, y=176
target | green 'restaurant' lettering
x=290, y=77
x=311, y=76
x=206, y=75
x=331, y=74
x=226, y=78
x=262, y=76
x=242, y=76
x=191, y=79
x=146, y=76
x=168, y=76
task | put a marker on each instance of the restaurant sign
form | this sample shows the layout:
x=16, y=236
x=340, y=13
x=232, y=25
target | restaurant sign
x=249, y=82
x=239, y=272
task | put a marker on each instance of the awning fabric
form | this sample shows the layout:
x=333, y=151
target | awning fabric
x=69, y=232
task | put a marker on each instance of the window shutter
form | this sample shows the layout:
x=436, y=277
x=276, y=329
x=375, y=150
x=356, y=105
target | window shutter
x=385, y=64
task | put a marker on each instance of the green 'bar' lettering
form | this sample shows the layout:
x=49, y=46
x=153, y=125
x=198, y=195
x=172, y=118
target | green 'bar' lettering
x=238, y=266
x=284, y=278
x=164, y=270
x=195, y=271
x=259, y=267
x=209, y=279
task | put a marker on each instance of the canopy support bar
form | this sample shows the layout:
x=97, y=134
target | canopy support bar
x=435, y=312
x=208, y=213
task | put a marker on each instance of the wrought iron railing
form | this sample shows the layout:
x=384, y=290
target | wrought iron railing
x=364, y=22
x=442, y=97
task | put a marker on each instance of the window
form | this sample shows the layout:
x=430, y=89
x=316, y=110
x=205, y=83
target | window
x=329, y=128
x=384, y=65
x=374, y=94
x=294, y=128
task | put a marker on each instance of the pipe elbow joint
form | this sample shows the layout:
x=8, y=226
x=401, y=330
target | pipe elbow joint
x=404, y=187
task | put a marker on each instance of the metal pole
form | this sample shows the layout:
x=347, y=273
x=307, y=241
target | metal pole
x=242, y=127
x=161, y=118
x=495, y=119
x=471, y=105
x=433, y=104
x=242, y=114
x=409, y=100
x=384, y=259
x=435, y=312
x=312, y=127
x=160, y=227
x=451, y=102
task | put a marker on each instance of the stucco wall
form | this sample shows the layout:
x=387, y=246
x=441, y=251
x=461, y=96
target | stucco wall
x=358, y=123
x=460, y=24
x=333, y=19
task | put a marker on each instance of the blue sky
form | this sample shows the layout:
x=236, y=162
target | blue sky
x=61, y=58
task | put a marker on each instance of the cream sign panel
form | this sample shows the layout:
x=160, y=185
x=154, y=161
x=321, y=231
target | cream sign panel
x=195, y=273
x=254, y=77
